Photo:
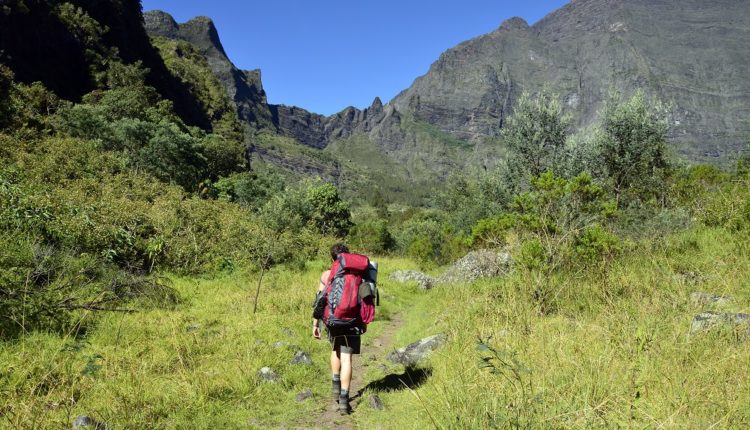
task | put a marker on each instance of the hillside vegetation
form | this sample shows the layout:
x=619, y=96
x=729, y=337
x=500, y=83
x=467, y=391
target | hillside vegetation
x=148, y=270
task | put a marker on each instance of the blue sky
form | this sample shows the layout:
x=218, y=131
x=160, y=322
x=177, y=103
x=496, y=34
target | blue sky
x=325, y=55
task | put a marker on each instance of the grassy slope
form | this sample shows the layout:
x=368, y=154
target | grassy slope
x=614, y=353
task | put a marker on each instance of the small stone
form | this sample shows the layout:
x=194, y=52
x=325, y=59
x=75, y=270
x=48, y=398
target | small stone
x=268, y=375
x=191, y=328
x=280, y=344
x=301, y=357
x=288, y=332
x=304, y=395
x=702, y=298
x=83, y=422
x=376, y=403
x=417, y=351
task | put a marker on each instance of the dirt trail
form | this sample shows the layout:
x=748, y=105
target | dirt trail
x=329, y=417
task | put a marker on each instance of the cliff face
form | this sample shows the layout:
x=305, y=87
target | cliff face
x=692, y=54
x=243, y=86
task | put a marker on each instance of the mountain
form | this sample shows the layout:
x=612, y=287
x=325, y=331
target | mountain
x=78, y=39
x=691, y=54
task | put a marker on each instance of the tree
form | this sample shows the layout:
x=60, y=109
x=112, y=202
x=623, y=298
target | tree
x=535, y=136
x=632, y=148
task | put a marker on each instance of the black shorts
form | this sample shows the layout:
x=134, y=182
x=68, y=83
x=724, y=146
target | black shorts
x=347, y=341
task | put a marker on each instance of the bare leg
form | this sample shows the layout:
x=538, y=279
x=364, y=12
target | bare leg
x=335, y=362
x=346, y=370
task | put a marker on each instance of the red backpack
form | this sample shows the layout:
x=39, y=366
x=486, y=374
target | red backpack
x=344, y=308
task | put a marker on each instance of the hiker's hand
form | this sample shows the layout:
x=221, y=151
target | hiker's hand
x=316, y=332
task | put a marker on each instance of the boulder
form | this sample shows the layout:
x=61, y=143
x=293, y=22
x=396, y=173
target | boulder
x=425, y=282
x=708, y=320
x=701, y=298
x=268, y=375
x=417, y=351
x=301, y=357
x=477, y=265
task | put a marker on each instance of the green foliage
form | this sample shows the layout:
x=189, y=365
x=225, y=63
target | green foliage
x=535, y=136
x=371, y=236
x=248, y=189
x=555, y=205
x=130, y=117
x=330, y=214
x=468, y=198
x=633, y=149
x=491, y=232
x=313, y=204
x=192, y=68
x=595, y=245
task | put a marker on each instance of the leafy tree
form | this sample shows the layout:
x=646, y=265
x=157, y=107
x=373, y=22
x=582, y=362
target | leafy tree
x=467, y=199
x=330, y=214
x=535, y=136
x=314, y=204
x=632, y=148
x=248, y=189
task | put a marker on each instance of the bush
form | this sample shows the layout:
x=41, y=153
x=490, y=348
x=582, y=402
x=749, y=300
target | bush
x=491, y=232
x=535, y=136
x=595, y=245
x=632, y=148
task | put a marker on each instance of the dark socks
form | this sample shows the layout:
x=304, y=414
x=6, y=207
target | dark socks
x=344, y=407
x=336, y=385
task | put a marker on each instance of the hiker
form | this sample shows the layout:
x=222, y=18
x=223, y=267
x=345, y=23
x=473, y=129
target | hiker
x=351, y=285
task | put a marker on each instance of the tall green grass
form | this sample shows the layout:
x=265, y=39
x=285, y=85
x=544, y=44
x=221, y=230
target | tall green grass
x=609, y=349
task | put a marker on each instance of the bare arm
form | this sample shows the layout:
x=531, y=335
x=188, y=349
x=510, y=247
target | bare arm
x=321, y=286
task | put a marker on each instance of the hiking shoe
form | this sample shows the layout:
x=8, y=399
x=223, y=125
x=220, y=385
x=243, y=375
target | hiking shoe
x=336, y=389
x=344, y=407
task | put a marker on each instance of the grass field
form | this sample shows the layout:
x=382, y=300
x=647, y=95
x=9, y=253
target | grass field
x=607, y=350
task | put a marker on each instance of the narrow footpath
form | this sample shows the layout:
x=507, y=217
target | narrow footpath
x=329, y=417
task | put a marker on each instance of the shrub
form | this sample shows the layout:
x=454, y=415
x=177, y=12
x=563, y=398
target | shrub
x=595, y=245
x=632, y=148
x=491, y=232
x=535, y=136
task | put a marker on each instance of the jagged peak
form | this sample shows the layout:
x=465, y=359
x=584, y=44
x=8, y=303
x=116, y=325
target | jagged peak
x=160, y=22
x=377, y=103
x=514, y=23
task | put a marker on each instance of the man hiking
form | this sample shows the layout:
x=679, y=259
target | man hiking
x=345, y=303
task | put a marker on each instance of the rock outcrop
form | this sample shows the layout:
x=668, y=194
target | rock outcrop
x=477, y=265
x=710, y=320
x=417, y=351
x=425, y=282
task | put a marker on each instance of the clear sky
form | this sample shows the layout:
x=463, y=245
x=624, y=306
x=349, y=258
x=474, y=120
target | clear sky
x=325, y=55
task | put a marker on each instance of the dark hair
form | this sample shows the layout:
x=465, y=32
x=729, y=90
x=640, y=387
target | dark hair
x=337, y=249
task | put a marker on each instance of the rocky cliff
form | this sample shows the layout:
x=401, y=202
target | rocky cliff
x=691, y=54
x=244, y=87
